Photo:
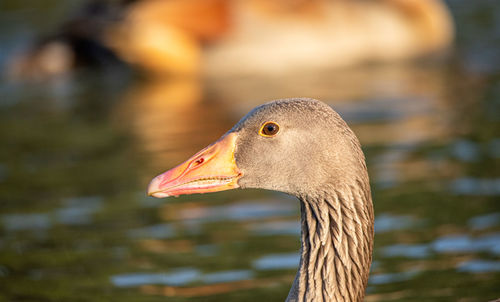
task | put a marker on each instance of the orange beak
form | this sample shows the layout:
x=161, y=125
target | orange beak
x=210, y=170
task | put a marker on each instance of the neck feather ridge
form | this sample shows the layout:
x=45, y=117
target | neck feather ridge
x=337, y=240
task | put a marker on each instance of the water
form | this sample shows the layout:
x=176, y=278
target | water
x=77, y=154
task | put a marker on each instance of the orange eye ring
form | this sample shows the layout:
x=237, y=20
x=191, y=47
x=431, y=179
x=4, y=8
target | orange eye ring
x=269, y=129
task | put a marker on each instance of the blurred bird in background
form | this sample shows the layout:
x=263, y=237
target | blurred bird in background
x=193, y=37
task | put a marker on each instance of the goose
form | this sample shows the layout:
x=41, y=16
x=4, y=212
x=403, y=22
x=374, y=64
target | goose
x=221, y=38
x=301, y=147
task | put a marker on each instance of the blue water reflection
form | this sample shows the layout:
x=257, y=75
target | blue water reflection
x=179, y=277
x=226, y=276
x=484, y=221
x=207, y=250
x=489, y=243
x=75, y=211
x=159, y=231
x=243, y=210
x=388, y=222
x=466, y=244
x=479, y=266
x=276, y=228
x=417, y=251
x=475, y=186
x=466, y=150
x=377, y=279
x=278, y=261
x=79, y=210
x=20, y=222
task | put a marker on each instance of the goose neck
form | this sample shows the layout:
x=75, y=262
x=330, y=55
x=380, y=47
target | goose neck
x=336, y=246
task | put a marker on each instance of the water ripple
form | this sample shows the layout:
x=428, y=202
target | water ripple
x=418, y=251
x=277, y=261
x=276, y=228
x=20, y=222
x=158, y=231
x=392, y=277
x=175, y=278
x=474, y=186
x=466, y=244
x=179, y=277
x=479, y=266
x=484, y=221
x=388, y=222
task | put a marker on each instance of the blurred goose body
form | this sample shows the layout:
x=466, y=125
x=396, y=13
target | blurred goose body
x=283, y=36
x=222, y=37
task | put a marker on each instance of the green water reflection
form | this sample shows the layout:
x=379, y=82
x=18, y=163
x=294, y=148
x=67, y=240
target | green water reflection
x=76, y=157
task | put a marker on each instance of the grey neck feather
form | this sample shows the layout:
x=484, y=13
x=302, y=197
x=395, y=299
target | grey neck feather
x=337, y=240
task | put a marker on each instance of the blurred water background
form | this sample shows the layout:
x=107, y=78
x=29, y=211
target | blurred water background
x=78, y=150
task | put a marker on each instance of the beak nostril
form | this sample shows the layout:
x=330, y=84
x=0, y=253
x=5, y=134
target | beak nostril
x=196, y=163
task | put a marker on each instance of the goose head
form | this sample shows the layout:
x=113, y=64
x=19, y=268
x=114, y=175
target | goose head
x=296, y=146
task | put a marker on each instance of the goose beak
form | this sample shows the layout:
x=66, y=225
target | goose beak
x=210, y=170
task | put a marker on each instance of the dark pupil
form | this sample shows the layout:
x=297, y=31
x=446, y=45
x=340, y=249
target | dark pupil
x=270, y=129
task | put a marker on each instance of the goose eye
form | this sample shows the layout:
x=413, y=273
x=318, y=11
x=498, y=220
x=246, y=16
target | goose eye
x=269, y=129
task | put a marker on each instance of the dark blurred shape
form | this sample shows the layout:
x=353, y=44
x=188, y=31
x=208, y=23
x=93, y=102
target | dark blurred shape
x=78, y=42
x=175, y=37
